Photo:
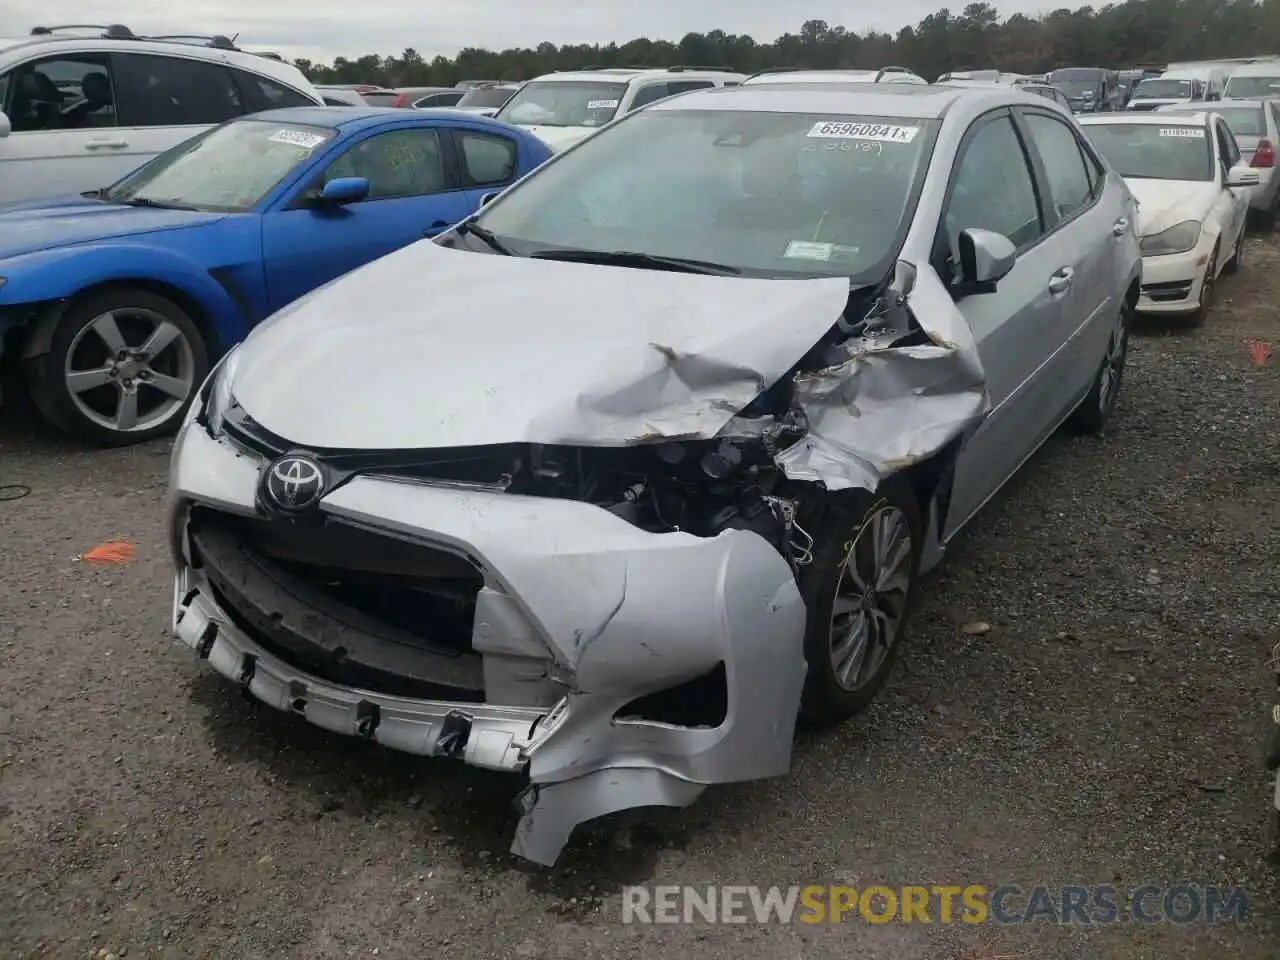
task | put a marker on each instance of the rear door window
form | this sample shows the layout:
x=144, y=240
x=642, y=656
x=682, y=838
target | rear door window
x=650, y=94
x=260, y=93
x=682, y=86
x=158, y=91
x=487, y=159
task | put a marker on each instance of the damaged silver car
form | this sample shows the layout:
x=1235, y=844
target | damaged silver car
x=608, y=484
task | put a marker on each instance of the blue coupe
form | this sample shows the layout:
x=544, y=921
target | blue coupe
x=114, y=303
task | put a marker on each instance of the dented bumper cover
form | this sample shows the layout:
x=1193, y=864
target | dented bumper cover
x=608, y=611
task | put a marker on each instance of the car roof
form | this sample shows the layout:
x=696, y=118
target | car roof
x=1266, y=68
x=914, y=101
x=355, y=119
x=280, y=70
x=627, y=74
x=831, y=76
x=1197, y=118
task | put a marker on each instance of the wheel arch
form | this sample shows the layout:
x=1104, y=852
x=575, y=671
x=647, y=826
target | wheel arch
x=39, y=338
x=930, y=480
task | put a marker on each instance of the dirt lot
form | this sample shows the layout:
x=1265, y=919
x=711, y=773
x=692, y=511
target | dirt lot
x=1106, y=731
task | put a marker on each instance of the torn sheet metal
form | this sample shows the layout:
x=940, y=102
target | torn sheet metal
x=887, y=407
x=453, y=349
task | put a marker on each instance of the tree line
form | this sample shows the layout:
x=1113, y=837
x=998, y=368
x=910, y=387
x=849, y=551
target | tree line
x=1117, y=35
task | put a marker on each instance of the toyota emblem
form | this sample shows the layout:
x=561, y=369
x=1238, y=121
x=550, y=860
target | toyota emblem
x=293, y=484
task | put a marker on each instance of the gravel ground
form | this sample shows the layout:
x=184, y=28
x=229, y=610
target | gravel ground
x=1107, y=730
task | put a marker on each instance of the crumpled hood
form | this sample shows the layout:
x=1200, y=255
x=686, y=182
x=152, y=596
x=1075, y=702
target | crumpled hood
x=31, y=225
x=430, y=347
x=1162, y=203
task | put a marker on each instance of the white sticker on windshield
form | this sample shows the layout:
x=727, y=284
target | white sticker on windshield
x=1189, y=133
x=297, y=138
x=602, y=104
x=808, y=250
x=879, y=132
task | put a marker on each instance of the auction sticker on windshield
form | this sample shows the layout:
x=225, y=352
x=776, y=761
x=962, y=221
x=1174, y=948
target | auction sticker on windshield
x=298, y=138
x=602, y=104
x=809, y=250
x=1189, y=133
x=879, y=132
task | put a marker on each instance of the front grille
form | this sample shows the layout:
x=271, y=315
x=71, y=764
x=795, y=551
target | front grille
x=348, y=605
x=493, y=465
x=1169, y=292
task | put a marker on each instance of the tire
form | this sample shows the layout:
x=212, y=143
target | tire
x=842, y=525
x=1094, y=411
x=162, y=386
x=1233, y=265
x=1266, y=219
x=1207, y=291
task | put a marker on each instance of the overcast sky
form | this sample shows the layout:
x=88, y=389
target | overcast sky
x=323, y=29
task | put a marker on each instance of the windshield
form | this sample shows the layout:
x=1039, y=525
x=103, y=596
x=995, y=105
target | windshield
x=1165, y=89
x=1148, y=151
x=1077, y=88
x=564, y=103
x=486, y=97
x=772, y=194
x=1245, y=88
x=229, y=168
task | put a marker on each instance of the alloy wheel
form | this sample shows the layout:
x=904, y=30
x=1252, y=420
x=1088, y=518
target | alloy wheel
x=129, y=369
x=871, y=597
x=1113, y=363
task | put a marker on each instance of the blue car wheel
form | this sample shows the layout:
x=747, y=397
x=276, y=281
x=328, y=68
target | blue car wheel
x=123, y=366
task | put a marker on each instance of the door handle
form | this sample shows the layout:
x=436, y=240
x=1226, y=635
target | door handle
x=1120, y=227
x=440, y=226
x=106, y=144
x=1060, y=282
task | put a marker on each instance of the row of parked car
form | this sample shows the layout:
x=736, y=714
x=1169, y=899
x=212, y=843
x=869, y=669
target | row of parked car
x=206, y=238
x=596, y=441
x=473, y=96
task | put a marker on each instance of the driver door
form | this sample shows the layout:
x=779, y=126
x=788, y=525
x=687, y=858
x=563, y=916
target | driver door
x=1020, y=326
x=413, y=193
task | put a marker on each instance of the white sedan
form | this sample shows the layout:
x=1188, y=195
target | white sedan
x=1193, y=197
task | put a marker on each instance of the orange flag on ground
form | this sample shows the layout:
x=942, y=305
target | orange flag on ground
x=118, y=553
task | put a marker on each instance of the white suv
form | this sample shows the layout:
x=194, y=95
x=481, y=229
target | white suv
x=80, y=109
x=563, y=108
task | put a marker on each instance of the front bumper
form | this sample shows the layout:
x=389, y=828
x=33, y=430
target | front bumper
x=600, y=610
x=1171, y=284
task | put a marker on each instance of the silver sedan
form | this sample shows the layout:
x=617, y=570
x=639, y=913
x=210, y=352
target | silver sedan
x=611, y=482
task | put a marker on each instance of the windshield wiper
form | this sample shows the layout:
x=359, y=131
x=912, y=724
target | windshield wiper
x=158, y=204
x=486, y=237
x=633, y=258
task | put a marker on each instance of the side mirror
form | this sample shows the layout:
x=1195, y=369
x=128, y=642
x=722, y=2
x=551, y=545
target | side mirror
x=1243, y=176
x=5, y=126
x=986, y=257
x=343, y=190
x=488, y=198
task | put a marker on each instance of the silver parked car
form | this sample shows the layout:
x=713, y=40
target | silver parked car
x=612, y=481
x=1255, y=124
